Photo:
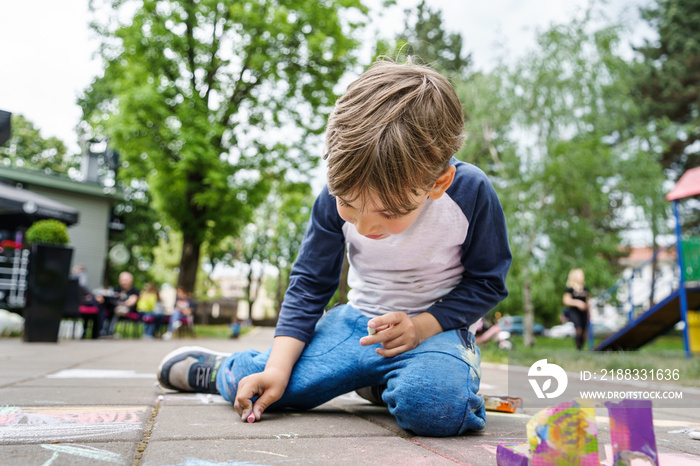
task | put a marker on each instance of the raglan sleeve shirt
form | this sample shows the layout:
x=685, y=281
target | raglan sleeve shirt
x=486, y=255
x=316, y=272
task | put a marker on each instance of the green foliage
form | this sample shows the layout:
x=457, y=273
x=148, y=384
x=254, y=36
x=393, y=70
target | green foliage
x=141, y=235
x=26, y=148
x=424, y=36
x=668, y=83
x=48, y=232
x=272, y=238
x=210, y=102
x=553, y=133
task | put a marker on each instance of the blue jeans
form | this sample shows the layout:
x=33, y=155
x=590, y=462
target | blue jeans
x=152, y=322
x=430, y=390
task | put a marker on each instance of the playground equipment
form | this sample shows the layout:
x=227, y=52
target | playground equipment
x=681, y=303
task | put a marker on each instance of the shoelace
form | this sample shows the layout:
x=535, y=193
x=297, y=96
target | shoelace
x=202, y=377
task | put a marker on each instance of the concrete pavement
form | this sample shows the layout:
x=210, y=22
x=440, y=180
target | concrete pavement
x=83, y=402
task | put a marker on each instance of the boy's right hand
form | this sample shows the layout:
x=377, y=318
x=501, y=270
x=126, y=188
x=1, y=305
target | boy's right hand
x=268, y=385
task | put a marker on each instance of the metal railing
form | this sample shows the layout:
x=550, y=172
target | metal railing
x=13, y=278
x=638, y=290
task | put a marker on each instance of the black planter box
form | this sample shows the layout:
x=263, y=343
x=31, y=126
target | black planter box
x=47, y=287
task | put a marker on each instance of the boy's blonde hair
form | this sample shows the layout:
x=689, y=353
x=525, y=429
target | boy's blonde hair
x=392, y=133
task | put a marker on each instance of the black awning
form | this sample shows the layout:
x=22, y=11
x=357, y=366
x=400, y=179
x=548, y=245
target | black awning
x=4, y=126
x=25, y=207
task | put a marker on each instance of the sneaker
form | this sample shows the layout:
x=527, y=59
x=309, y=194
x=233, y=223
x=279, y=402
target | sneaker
x=167, y=336
x=373, y=394
x=191, y=369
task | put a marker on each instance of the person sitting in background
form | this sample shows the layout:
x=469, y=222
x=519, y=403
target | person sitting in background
x=149, y=309
x=184, y=310
x=90, y=310
x=120, y=302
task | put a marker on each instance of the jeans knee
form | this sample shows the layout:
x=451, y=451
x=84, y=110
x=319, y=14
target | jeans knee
x=453, y=415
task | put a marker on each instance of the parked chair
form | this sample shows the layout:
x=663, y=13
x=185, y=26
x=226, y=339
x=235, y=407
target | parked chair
x=129, y=325
x=90, y=314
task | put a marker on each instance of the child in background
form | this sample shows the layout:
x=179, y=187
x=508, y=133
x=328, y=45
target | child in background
x=149, y=309
x=428, y=251
x=184, y=310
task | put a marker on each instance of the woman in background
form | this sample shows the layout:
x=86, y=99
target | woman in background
x=576, y=301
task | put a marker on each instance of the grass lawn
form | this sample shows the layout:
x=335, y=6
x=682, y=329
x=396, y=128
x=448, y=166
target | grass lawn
x=217, y=331
x=665, y=352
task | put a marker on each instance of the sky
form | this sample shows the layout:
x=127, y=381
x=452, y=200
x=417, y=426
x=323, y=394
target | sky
x=47, y=47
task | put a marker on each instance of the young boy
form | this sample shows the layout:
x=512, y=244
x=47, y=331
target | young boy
x=428, y=251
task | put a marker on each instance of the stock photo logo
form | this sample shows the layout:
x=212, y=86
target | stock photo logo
x=547, y=372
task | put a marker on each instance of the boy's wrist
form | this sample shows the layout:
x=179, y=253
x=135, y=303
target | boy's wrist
x=426, y=326
x=284, y=354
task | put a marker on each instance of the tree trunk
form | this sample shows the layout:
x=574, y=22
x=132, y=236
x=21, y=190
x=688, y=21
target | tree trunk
x=249, y=290
x=282, y=280
x=528, y=311
x=654, y=259
x=343, y=286
x=528, y=307
x=189, y=263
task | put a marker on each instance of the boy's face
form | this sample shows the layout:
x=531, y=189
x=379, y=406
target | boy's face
x=372, y=221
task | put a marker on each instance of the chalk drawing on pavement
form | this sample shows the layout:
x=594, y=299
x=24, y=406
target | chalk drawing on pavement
x=42, y=424
x=98, y=374
x=82, y=451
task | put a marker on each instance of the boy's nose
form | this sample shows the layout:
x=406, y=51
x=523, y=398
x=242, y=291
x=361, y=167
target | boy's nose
x=364, y=226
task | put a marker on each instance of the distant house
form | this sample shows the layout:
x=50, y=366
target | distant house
x=92, y=202
x=639, y=271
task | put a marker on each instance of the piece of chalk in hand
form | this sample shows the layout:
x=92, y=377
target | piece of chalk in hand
x=251, y=418
x=371, y=330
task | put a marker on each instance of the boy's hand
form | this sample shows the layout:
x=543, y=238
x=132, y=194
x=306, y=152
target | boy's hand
x=398, y=333
x=268, y=385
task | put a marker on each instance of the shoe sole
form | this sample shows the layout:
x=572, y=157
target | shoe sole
x=185, y=349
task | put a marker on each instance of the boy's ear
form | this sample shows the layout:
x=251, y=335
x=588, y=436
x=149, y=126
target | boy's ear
x=443, y=182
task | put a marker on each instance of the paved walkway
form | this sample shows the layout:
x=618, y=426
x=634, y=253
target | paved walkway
x=98, y=402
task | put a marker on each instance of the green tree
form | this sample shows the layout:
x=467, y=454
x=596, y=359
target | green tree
x=142, y=234
x=273, y=238
x=27, y=148
x=210, y=101
x=425, y=36
x=558, y=162
x=291, y=215
x=668, y=84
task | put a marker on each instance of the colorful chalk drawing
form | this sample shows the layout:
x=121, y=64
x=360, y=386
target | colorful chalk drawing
x=204, y=398
x=200, y=462
x=42, y=424
x=98, y=374
x=82, y=451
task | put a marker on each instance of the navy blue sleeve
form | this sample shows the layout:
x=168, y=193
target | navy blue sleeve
x=486, y=255
x=316, y=272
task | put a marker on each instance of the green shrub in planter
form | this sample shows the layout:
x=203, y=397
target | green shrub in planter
x=48, y=232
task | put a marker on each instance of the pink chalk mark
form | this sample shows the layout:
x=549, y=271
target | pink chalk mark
x=490, y=448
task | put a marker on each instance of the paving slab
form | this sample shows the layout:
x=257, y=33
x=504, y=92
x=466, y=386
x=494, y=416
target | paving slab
x=334, y=451
x=320, y=422
x=97, y=402
x=60, y=454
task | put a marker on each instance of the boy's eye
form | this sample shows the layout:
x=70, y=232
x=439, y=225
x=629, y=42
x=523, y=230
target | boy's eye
x=390, y=216
x=343, y=203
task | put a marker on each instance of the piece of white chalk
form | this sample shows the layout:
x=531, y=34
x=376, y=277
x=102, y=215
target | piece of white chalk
x=251, y=418
x=371, y=331
x=694, y=435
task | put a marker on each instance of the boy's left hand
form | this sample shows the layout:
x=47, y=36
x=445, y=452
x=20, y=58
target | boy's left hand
x=398, y=333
